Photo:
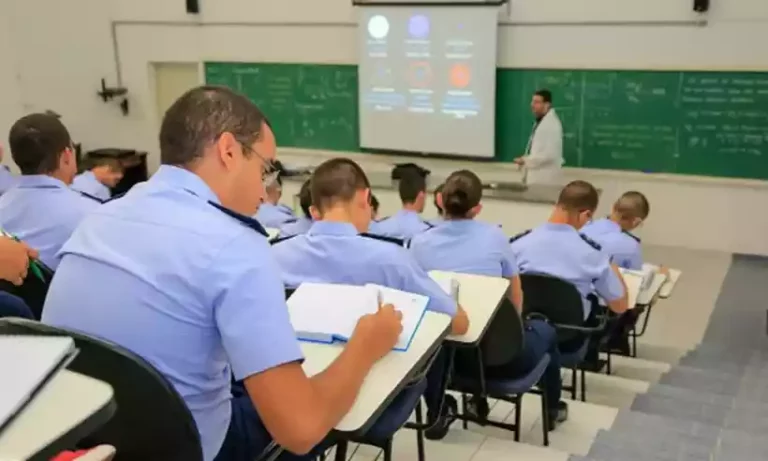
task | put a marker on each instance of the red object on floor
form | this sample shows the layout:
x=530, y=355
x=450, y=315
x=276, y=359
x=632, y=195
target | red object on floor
x=69, y=455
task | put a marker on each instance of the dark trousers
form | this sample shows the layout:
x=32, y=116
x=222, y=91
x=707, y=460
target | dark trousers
x=540, y=339
x=436, y=377
x=13, y=306
x=247, y=437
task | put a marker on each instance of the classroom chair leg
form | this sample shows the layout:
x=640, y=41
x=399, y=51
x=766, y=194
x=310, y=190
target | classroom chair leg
x=583, y=386
x=388, y=450
x=464, y=410
x=419, y=433
x=518, y=415
x=574, y=371
x=341, y=451
x=544, y=419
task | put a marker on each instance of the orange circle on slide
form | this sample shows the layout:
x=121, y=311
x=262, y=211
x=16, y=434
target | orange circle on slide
x=460, y=76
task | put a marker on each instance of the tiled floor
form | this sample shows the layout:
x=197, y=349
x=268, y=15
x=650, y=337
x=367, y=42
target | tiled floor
x=677, y=325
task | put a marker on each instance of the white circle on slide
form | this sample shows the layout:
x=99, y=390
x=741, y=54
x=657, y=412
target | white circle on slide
x=378, y=27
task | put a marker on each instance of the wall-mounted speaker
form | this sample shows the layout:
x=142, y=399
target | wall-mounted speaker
x=193, y=6
x=700, y=6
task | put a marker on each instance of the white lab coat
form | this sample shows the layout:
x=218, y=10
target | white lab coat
x=544, y=155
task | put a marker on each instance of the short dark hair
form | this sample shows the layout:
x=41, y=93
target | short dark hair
x=462, y=192
x=411, y=184
x=200, y=116
x=578, y=196
x=97, y=161
x=305, y=197
x=632, y=204
x=37, y=141
x=337, y=180
x=374, y=203
x=545, y=95
x=438, y=191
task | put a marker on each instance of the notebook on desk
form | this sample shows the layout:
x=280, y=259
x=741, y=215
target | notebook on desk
x=327, y=313
x=634, y=281
x=28, y=363
x=669, y=285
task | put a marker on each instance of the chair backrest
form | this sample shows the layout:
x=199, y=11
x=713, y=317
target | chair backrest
x=13, y=306
x=33, y=291
x=555, y=299
x=502, y=342
x=152, y=422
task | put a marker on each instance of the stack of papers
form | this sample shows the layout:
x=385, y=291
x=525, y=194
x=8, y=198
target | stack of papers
x=27, y=364
x=326, y=313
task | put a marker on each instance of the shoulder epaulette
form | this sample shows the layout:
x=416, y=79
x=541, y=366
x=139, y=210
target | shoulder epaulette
x=429, y=225
x=291, y=221
x=637, y=239
x=383, y=238
x=96, y=199
x=281, y=239
x=115, y=197
x=242, y=219
x=591, y=242
x=520, y=235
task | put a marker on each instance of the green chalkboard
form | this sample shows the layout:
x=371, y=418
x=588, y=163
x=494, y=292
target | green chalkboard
x=311, y=106
x=700, y=123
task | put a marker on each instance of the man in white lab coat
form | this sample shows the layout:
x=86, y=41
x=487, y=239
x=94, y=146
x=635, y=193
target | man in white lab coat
x=543, y=158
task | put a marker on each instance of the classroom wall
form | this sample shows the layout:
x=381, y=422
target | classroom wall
x=58, y=51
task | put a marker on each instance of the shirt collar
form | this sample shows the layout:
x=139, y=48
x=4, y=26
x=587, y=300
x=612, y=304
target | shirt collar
x=40, y=180
x=332, y=228
x=610, y=224
x=558, y=227
x=186, y=180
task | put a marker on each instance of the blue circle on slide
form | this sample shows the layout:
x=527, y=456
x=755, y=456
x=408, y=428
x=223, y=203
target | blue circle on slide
x=418, y=26
x=378, y=27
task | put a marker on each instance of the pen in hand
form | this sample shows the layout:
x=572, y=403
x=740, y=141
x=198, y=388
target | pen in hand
x=34, y=266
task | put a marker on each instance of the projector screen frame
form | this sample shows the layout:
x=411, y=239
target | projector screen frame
x=412, y=154
x=418, y=3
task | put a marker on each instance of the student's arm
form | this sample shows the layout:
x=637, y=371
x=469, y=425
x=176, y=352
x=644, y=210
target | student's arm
x=510, y=270
x=250, y=313
x=611, y=287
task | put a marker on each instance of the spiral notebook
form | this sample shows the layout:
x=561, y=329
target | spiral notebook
x=327, y=313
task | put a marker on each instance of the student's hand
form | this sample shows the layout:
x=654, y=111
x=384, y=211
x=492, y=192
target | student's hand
x=378, y=333
x=663, y=271
x=460, y=323
x=14, y=260
x=519, y=161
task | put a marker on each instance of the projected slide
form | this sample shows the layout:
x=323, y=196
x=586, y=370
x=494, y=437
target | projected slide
x=428, y=79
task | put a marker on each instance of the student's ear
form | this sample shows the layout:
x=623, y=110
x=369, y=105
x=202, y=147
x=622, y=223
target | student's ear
x=475, y=210
x=228, y=149
x=439, y=200
x=314, y=212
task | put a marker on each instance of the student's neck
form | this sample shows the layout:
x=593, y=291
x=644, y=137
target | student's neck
x=65, y=178
x=617, y=219
x=411, y=207
x=339, y=215
x=560, y=216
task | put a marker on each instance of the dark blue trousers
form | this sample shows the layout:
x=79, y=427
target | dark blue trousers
x=540, y=339
x=247, y=437
x=13, y=306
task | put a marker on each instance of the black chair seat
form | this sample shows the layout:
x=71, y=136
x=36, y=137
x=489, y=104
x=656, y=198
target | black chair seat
x=152, y=422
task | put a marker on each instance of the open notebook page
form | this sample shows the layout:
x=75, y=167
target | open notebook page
x=324, y=312
x=634, y=281
x=411, y=305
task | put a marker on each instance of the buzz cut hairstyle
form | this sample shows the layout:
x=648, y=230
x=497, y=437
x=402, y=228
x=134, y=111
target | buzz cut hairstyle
x=337, y=180
x=631, y=205
x=578, y=196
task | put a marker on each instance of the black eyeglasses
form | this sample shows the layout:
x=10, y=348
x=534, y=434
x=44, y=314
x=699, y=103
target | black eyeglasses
x=270, y=171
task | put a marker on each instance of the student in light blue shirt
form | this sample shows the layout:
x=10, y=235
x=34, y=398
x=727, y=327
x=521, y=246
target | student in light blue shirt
x=333, y=251
x=100, y=178
x=462, y=244
x=199, y=294
x=556, y=248
x=437, y=201
x=41, y=209
x=271, y=212
x=7, y=179
x=407, y=222
x=302, y=224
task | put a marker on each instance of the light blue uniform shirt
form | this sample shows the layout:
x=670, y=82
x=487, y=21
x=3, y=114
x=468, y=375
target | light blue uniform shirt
x=274, y=216
x=87, y=183
x=561, y=251
x=199, y=295
x=43, y=212
x=7, y=179
x=402, y=225
x=466, y=246
x=334, y=252
x=299, y=226
x=622, y=247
